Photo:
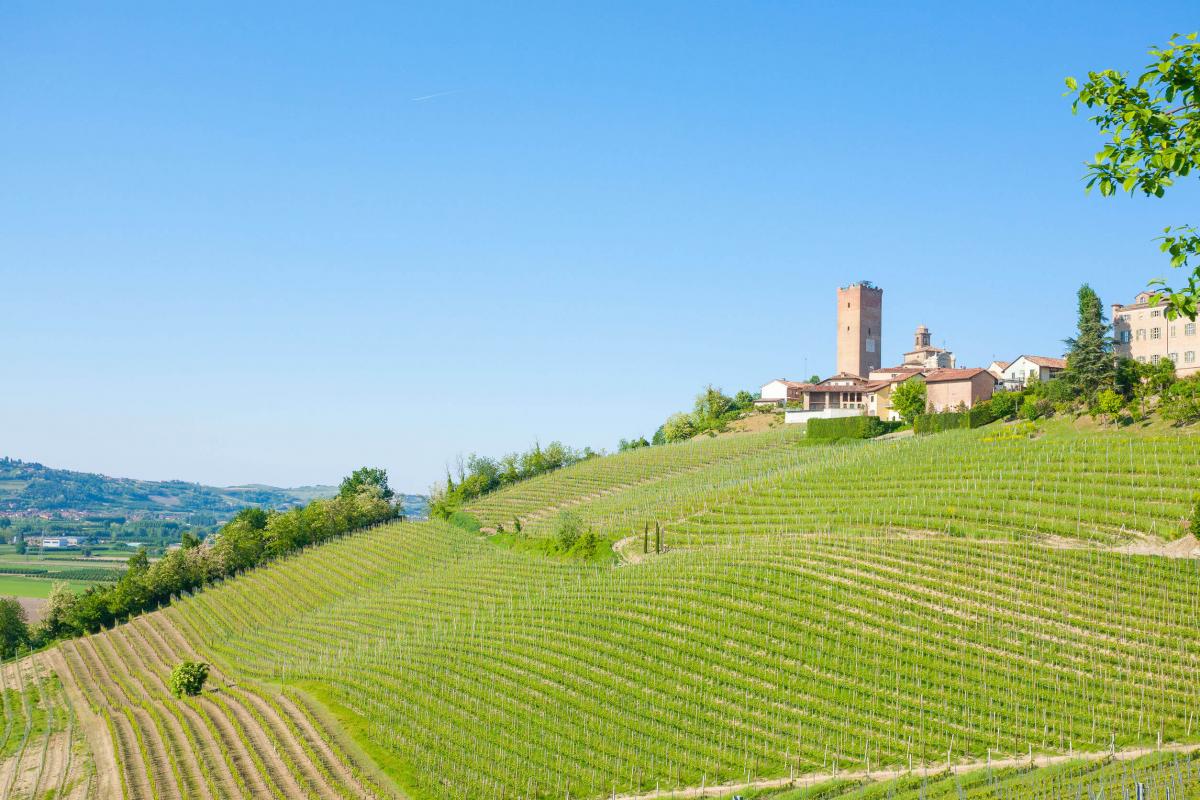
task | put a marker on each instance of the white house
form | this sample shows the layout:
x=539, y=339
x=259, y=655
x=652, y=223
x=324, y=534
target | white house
x=1026, y=369
x=59, y=542
x=780, y=392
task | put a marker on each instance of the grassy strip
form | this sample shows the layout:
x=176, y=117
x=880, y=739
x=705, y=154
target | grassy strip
x=371, y=764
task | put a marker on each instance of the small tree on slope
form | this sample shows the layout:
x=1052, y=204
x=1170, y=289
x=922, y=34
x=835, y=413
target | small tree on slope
x=187, y=679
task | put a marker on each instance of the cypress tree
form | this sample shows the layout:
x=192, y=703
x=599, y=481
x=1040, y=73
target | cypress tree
x=646, y=539
x=1090, y=366
x=657, y=538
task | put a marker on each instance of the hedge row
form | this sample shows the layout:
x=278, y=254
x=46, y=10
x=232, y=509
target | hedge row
x=849, y=428
x=977, y=417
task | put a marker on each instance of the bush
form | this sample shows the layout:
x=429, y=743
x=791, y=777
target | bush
x=936, y=423
x=849, y=428
x=1194, y=527
x=1005, y=404
x=187, y=679
x=1181, y=401
x=1034, y=407
x=568, y=529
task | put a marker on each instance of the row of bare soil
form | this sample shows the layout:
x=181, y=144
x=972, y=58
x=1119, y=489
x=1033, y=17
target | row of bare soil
x=42, y=751
x=235, y=740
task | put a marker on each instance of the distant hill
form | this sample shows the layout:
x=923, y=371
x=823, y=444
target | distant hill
x=28, y=487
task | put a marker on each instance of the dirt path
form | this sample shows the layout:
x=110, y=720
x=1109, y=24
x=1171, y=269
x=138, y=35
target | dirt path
x=95, y=732
x=815, y=778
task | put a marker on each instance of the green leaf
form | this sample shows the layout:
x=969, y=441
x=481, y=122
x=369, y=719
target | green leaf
x=1072, y=84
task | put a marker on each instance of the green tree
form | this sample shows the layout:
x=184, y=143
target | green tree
x=1152, y=126
x=814, y=379
x=1109, y=403
x=1181, y=402
x=366, y=478
x=712, y=405
x=187, y=678
x=1005, y=404
x=567, y=529
x=14, y=632
x=678, y=427
x=909, y=399
x=1090, y=365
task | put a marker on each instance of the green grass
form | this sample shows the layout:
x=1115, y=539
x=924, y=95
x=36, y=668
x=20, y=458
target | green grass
x=23, y=586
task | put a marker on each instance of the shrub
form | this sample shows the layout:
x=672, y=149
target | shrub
x=1181, y=401
x=1005, y=404
x=849, y=428
x=568, y=529
x=1194, y=527
x=1109, y=403
x=187, y=679
x=1036, y=408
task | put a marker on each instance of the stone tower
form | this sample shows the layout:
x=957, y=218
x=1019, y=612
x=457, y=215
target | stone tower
x=859, y=320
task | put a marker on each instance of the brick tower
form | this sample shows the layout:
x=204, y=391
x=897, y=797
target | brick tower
x=859, y=320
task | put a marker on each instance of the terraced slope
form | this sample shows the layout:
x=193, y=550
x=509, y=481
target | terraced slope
x=1161, y=776
x=1106, y=487
x=594, y=478
x=238, y=739
x=821, y=609
x=486, y=668
x=42, y=749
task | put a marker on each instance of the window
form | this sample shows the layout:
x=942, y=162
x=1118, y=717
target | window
x=1141, y=359
x=1156, y=333
x=1189, y=329
x=870, y=345
x=1124, y=339
x=1154, y=359
x=1173, y=358
x=1156, y=313
x=1141, y=334
x=1189, y=357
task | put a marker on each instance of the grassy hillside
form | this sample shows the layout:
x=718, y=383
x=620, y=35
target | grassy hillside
x=845, y=608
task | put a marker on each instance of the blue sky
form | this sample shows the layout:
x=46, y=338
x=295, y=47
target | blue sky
x=273, y=242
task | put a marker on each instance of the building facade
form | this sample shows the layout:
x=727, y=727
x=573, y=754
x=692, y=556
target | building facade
x=780, y=392
x=949, y=389
x=1143, y=333
x=860, y=325
x=1018, y=374
x=924, y=355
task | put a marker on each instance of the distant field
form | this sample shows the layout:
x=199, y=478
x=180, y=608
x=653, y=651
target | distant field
x=22, y=586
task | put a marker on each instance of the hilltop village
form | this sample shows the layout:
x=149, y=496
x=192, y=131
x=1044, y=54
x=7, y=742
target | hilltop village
x=863, y=386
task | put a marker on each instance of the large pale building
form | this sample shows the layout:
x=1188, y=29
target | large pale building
x=860, y=324
x=1144, y=333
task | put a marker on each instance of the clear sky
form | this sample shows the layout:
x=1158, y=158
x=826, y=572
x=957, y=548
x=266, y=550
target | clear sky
x=260, y=242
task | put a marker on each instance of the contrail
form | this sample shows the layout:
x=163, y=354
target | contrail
x=424, y=97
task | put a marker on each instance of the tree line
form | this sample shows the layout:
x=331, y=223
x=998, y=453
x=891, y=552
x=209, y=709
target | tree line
x=478, y=475
x=253, y=537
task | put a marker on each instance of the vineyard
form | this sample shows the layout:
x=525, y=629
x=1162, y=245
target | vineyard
x=833, y=610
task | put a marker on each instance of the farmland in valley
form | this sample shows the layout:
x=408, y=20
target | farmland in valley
x=860, y=615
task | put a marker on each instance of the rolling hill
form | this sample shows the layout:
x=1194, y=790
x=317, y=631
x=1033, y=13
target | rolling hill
x=29, y=487
x=996, y=613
